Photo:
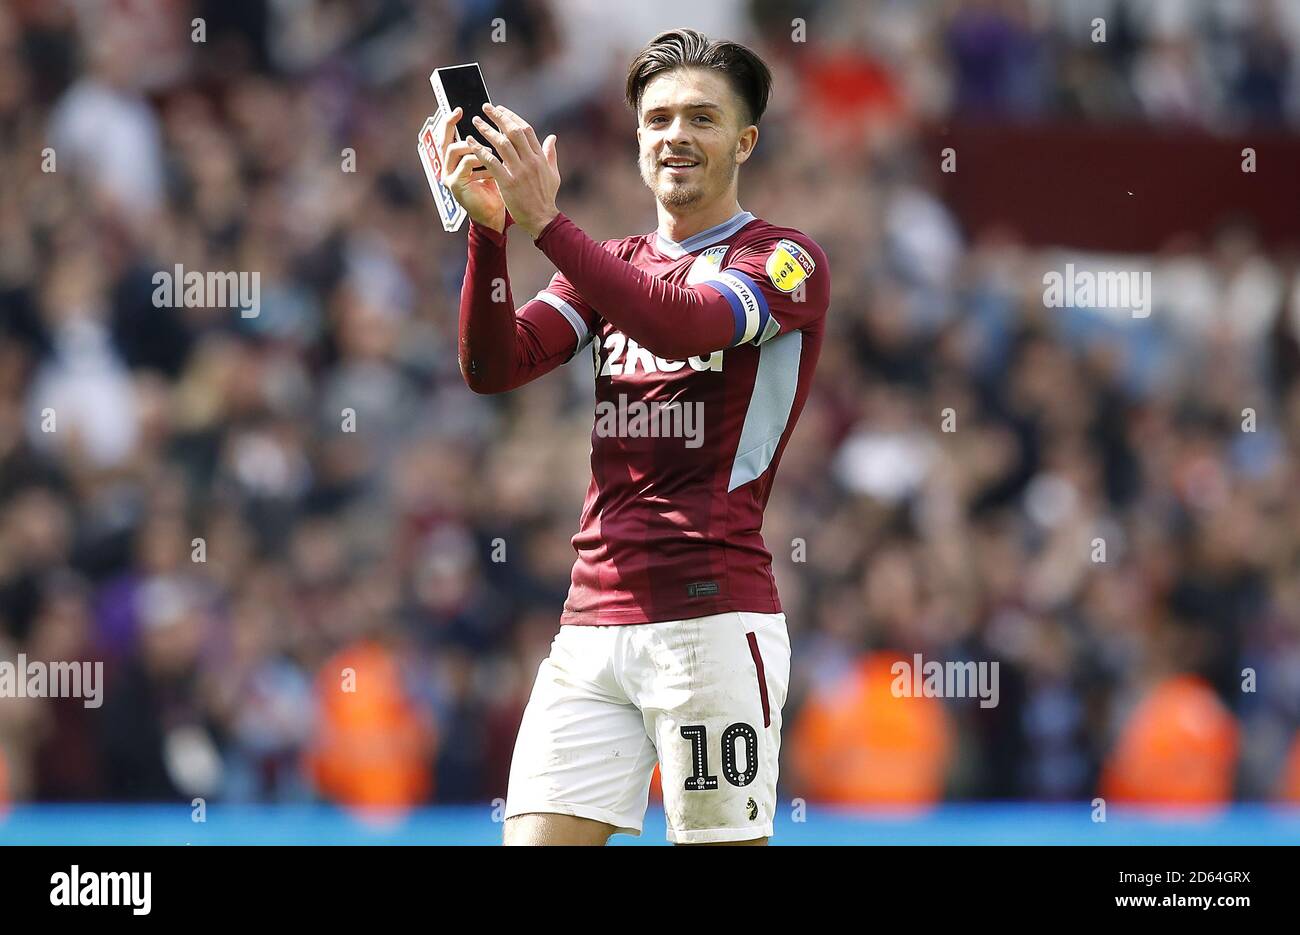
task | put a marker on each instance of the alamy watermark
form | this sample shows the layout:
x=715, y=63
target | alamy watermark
x=651, y=419
x=77, y=887
x=177, y=288
x=1083, y=288
x=932, y=679
x=36, y=679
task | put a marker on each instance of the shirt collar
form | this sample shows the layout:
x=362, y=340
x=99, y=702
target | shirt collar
x=704, y=238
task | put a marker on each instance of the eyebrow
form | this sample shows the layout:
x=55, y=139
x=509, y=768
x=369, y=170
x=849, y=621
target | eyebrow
x=693, y=105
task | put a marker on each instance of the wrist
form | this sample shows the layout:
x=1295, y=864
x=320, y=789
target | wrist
x=545, y=224
x=494, y=222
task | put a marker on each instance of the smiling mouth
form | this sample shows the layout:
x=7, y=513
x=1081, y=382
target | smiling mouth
x=679, y=164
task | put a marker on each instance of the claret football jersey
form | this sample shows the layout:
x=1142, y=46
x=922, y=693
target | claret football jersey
x=684, y=452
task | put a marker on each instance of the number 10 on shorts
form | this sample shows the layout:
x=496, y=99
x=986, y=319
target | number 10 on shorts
x=698, y=735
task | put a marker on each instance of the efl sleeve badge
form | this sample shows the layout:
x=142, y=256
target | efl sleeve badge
x=788, y=265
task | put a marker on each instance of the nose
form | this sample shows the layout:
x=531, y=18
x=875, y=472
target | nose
x=679, y=132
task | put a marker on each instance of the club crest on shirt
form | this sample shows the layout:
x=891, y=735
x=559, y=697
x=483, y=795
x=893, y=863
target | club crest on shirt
x=789, y=265
x=706, y=264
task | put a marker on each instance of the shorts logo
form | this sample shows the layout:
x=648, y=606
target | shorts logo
x=789, y=265
x=753, y=809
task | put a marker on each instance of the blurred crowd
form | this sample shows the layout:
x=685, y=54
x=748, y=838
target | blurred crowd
x=292, y=604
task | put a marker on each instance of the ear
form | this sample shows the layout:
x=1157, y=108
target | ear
x=745, y=144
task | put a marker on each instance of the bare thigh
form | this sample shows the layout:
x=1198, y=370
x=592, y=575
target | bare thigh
x=550, y=829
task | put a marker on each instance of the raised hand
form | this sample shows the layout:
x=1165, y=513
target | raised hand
x=477, y=193
x=527, y=175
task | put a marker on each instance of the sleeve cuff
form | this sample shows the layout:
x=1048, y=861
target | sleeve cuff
x=559, y=218
x=481, y=232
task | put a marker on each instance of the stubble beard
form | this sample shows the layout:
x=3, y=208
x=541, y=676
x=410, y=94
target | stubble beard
x=673, y=195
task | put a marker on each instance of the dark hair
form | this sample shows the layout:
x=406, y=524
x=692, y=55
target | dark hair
x=686, y=48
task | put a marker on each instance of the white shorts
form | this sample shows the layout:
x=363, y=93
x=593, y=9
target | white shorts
x=701, y=697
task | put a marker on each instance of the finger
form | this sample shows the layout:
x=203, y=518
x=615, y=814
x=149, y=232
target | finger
x=489, y=161
x=459, y=164
x=457, y=151
x=461, y=149
x=499, y=140
x=464, y=174
x=553, y=157
x=445, y=132
x=486, y=132
x=518, y=129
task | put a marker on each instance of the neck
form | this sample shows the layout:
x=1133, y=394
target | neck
x=678, y=224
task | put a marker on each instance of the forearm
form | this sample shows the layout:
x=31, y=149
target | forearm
x=671, y=321
x=499, y=349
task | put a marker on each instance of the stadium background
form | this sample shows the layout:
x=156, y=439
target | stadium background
x=373, y=550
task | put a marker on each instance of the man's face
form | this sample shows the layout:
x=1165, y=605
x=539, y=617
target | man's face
x=692, y=116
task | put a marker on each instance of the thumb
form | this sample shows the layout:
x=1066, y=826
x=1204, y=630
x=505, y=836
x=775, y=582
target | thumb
x=548, y=149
